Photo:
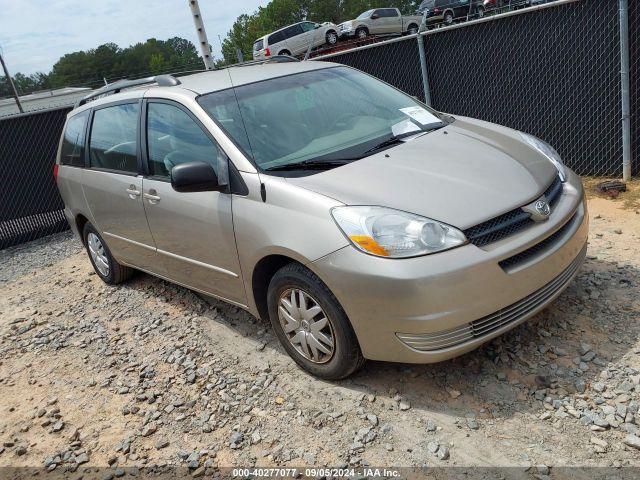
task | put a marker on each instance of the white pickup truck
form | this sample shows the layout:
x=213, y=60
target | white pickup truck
x=380, y=21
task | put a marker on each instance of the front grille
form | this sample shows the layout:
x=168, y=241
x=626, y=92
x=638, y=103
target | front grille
x=511, y=222
x=432, y=342
x=530, y=252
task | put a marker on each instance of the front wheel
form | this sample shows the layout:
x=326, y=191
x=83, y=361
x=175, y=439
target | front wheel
x=311, y=325
x=362, y=33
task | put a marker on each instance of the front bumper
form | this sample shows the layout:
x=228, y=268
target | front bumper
x=436, y=307
x=342, y=34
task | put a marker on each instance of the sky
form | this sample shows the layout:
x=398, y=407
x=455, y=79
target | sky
x=34, y=34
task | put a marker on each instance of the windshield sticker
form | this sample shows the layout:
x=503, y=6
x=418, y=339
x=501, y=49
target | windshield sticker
x=420, y=115
x=404, y=127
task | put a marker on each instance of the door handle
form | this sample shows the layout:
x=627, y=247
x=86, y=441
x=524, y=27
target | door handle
x=132, y=191
x=152, y=197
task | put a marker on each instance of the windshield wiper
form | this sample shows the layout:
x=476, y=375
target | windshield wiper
x=308, y=165
x=394, y=139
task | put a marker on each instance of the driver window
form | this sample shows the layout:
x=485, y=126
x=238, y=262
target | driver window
x=113, y=138
x=173, y=137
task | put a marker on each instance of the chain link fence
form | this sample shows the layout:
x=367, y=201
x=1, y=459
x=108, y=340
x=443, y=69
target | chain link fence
x=552, y=71
x=30, y=206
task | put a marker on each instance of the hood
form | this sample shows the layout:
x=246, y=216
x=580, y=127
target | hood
x=463, y=174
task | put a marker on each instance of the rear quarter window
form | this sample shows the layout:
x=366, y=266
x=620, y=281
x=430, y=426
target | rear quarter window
x=72, y=152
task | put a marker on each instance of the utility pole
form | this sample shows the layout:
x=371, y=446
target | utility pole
x=625, y=89
x=10, y=80
x=205, y=48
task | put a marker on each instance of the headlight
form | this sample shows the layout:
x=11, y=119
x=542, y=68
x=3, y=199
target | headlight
x=548, y=151
x=386, y=232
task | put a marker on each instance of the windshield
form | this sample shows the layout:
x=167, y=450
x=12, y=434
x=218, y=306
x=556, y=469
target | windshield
x=366, y=14
x=426, y=5
x=321, y=115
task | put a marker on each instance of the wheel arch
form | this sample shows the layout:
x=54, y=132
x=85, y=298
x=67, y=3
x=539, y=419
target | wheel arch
x=262, y=273
x=81, y=221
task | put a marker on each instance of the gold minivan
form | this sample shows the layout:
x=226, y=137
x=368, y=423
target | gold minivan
x=360, y=222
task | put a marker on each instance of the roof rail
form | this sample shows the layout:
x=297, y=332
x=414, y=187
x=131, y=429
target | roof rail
x=115, y=87
x=273, y=59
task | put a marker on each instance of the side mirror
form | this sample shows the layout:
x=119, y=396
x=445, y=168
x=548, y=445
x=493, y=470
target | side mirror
x=317, y=26
x=374, y=16
x=194, y=177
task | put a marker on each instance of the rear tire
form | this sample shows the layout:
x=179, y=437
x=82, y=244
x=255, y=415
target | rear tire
x=285, y=52
x=448, y=18
x=412, y=30
x=300, y=303
x=105, y=266
x=331, y=37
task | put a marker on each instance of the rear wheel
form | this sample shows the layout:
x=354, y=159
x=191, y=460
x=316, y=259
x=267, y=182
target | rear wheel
x=331, y=37
x=106, y=267
x=311, y=325
x=413, y=29
x=285, y=52
x=448, y=17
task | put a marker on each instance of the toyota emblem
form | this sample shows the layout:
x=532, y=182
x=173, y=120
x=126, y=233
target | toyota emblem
x=543, y=208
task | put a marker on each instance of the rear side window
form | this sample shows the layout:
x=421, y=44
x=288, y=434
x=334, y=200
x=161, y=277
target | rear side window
x=292, y=31
x=113, y=142
x=389, y=12
x=173, y=137
x=276, y=37
x=73, y=141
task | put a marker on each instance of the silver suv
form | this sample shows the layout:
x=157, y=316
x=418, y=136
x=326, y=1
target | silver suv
x=385, y=231
x=295, y=39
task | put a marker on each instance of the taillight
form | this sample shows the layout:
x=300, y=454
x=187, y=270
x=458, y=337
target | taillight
x=55, y=172
x=267, y=53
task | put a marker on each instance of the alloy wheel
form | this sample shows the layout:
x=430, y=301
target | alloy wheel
x=306, y=326
x=98, y=254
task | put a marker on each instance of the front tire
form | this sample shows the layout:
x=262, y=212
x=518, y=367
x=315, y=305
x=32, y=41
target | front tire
x=105, y=266
x=362, y=33
x=311, y=325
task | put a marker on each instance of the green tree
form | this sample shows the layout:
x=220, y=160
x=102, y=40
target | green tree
x=279, y=13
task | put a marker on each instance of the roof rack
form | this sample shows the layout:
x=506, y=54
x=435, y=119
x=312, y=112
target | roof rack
x=160, y=80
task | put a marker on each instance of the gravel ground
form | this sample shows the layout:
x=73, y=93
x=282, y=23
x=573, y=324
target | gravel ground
x=150, y=374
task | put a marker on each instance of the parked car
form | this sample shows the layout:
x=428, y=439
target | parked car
x=380, y=21
x=362, y=223
x=448, y=11
x=295, y=39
